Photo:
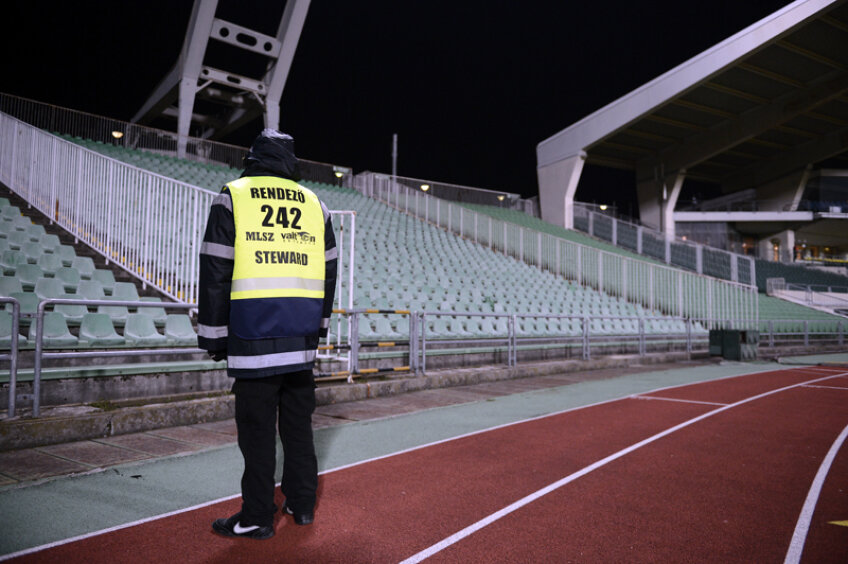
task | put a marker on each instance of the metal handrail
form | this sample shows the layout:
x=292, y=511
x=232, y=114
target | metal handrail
x=12, y=357
x=39, y=340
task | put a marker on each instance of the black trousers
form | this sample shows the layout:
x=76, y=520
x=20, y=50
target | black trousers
x=287, y=399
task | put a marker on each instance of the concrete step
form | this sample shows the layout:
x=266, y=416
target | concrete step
x=67, y=423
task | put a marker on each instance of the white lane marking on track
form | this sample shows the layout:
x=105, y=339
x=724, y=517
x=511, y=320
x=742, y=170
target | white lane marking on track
x=843, y=388
x=459, y=535
x=642, y=397
x=115, y=528
x=374, y=459
x=799, y=537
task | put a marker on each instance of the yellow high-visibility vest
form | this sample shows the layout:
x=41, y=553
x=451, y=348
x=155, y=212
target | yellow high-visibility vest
x=279, y=265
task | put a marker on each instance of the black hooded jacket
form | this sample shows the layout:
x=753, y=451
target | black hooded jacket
x=272, y=154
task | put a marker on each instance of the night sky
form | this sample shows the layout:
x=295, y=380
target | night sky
x=469, y=86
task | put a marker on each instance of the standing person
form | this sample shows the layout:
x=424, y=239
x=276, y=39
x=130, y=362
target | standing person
x=267, y=278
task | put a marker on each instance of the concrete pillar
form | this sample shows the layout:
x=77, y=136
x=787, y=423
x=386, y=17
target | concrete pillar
x=785, y=241
x=557, y=185
x=188, y=89
x=657, y=200
x=675, y=183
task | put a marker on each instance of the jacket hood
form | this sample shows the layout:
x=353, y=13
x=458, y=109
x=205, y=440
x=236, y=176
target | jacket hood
x=272, y=154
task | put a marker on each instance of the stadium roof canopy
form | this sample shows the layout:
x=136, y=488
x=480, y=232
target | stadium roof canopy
x=768, y=101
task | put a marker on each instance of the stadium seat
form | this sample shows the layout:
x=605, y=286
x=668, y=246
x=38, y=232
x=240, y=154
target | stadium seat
x=118, y=314
x=69, y=277
x=32, y=251
x=49, y=242
x=16, y=240
x=106, y=279
x=34, y=232
x=67, y=254
x=73, y=313
x=10, y=260
x=49, y=263
x=46, y=288
x=56, y=333
x=90, y=290
x=178, y=330
x=97, y=330
x=85, y=266
x=139, y=330
x=384, y=329
x=28, y=301
x=6, y=332
x=125, y=291
x=9, y=284
x=157, y=314
x=9, y=213
x=28, y=274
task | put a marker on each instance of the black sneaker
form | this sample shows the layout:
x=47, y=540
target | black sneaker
x=232, y=528
x=299, y=518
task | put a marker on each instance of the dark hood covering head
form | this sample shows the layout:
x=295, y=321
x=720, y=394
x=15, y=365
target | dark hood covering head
x=272, y=154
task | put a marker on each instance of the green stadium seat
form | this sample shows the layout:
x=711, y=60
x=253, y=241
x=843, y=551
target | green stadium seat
x=35, y=232
x=32, y=251
x=118, y=314
x=50, y=242
x=157, y=314
x=56, y=333
x=178, y=330
x=9, y=284
x=97, y=330
x=90, y=290
x=67, y=254
x=85, y=266
x=69, y=277
x=6, y=332
x=125, y=291
x=73, y=313
x=106, y=279
x=28, y=274
x=49, y=263
x=385, y=330
x=22, y=223
x=8, y=213
x=139, y=330
x=16, y=240
x=10, y=259
x=46, y=288
x=28, y=301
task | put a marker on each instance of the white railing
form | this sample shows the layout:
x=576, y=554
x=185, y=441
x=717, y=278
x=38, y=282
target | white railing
x=148, y=224
x=65, y=121
x=641, y=240
x=657, y=287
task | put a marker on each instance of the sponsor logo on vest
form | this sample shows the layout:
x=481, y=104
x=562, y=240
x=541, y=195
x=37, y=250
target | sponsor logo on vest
x=259, y=236
x=281, y=257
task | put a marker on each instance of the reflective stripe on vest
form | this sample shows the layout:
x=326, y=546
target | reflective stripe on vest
x=271, y=360
x=279, y=239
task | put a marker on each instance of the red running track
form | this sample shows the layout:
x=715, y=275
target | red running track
x=657, y=487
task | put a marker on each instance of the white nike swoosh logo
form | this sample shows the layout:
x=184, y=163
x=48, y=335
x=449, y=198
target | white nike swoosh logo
x=239, y=530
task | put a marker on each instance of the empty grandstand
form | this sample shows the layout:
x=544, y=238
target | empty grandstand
x=99, y=239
